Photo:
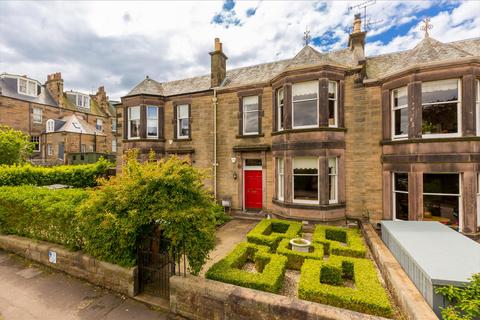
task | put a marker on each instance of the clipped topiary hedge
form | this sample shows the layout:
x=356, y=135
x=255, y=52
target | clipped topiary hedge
x=340, y=241
x=294, y=258
x=322, y=281
x=270, y=232
x=270, y=268
x=78, y=176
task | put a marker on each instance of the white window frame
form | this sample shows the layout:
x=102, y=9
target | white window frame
x=50, y=126
x=459, y=113
x=478, y=109
x=280, y=106
x=129, y=119
x=281, y=179
x=394, y=195
x=179, y=121
x=37, y=143
x=49, y=149
x=395, y=108
x=37, y=115
x=293, y=109
x=152, y=119
x=114, y=145
x=335, y=177
x=28, y=82
x=293, y=182
x=84, y=100
x=335, y=99
x=459, y=195
x=244, y=114
x=99, y=124
x=114, y=125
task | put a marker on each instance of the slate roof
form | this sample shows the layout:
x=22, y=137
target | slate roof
x=75, y=124
x=426, y=51
x=8, y=88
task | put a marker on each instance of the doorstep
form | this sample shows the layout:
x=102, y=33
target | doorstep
x=156, y=302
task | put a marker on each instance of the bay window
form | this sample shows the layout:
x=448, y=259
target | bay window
x=250, y=115
x=332, y=103
x=305, y=180
x=333, y=180
x=183, y=126
x=280, y=179
x=441, y=198
x=134, y=122
x=400, y=196
x=280, y=108
x=152, y=122
x=305, y=104
x=441, y=108
x=399, y=113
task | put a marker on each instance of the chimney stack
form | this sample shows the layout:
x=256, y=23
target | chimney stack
x=54, y=85
x=356, y=41
x=218, y=64
x=102, y=99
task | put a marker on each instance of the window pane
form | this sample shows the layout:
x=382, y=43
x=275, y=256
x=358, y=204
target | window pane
x=305, y=163
x=306, y=90
x=401, y=206
x=444, y=209
x=441, y=183
x=332, y=165
x=280, y=96
x=134, y=128
x=401, y=121
x=250, y=122
x=152, y=128
x=32, y=88
x=152, y=112
x=331, y=112
x=305, y=187
x=184, y=127
x=400, y=97
x=22, y=86
x=439, y=118
x=134, y=113
x=253, y=162
x=439, y=91
x=332, y=90
x=250, y=103
x=305, y=113
x=401, y=181
x=182, y=111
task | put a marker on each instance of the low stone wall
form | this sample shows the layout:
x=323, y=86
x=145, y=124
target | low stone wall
x=77, y=264
x=202, y=299
x=405, y=293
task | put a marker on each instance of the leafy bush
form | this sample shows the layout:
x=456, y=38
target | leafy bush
x=42, y=214
x=270, y=267
x=168, y=192
x=320, y=282
x=333, y=239
x=465, y=302
x=295, y=258
x=15, y=146
x=270, y=232
x=79, y=176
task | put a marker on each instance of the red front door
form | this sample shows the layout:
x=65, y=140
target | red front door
x=253, y=189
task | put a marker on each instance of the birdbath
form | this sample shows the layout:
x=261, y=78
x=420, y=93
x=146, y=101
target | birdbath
x=300, y=245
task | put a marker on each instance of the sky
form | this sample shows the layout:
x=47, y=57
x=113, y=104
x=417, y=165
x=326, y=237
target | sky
x=117, y=44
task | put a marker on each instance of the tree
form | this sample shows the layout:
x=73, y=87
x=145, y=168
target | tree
x=15, y=146
x=465, y=302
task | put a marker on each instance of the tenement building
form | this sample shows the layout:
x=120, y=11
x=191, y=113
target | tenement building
x=65, y=126
x=327, y=136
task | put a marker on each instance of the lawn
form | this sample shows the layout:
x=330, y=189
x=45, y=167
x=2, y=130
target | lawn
x=335, y=269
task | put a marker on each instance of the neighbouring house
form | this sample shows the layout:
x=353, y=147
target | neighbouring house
x=60, y=123
x=327, y=136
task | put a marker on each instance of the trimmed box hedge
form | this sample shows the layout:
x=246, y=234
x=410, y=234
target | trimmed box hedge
x=321, y=281
x=332, y=239
x=271, y=268
x=295, y=258
x=270, y=232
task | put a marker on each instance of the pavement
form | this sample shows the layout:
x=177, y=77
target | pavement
x=30, y=291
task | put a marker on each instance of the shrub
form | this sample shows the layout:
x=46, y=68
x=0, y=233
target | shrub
x=270, y=267
x=79, y=176
x=294, y=258
x=333, y=239
x=42, y=214
x=465, y=301
x=15, y=146
x=270, y=232
x=320, y=282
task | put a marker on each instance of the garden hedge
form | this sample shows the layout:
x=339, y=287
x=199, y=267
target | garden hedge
x=78, y=176
x=270, y=232
x=333, y=239
x=321, y=281
x=270, y=268
x=295, y=258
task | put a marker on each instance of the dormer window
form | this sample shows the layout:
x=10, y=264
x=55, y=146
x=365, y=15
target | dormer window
x=50, y=125
x=79, y=99
x=27, y=87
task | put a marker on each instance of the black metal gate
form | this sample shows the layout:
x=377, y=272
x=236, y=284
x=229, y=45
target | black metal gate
x=155, y=266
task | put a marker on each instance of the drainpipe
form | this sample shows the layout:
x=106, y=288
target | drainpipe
x=215, y=164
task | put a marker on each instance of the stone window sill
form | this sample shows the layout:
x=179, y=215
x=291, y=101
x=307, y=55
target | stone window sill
x=323, y=207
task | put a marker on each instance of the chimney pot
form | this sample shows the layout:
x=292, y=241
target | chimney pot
x=218, y=44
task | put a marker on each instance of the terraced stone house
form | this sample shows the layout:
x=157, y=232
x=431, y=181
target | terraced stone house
x=327, y=136
x=66, y=126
